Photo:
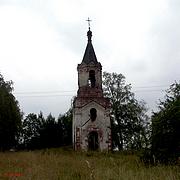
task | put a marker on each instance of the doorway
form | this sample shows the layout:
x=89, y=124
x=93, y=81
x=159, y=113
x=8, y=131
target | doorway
x=93, y=143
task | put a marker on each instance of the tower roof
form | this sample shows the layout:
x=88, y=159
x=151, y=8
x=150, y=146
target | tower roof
x=89, y=55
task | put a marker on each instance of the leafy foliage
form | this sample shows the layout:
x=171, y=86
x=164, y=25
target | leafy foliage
x=166, y=127
x=10, y=115
x=128, y=116
x=39, y=132
x=65, y=122
x=31, y=128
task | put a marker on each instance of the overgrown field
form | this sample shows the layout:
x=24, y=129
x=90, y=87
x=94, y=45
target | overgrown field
x=66, y=164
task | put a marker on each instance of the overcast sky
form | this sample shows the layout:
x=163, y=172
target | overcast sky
x=42, y=41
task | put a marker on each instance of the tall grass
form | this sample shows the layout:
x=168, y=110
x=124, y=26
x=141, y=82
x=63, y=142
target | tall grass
x=69, y=165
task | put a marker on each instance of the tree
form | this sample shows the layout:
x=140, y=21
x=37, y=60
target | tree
x=31, y=131
x=166, y=127
x=50, y=133
x=39, y=132
x=128, y=116
x=10, y=116
x=65, y=121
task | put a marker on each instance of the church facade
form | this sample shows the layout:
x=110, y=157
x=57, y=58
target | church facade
x=91, y=111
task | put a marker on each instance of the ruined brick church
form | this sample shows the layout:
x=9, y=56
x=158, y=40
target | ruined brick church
x=91, y=110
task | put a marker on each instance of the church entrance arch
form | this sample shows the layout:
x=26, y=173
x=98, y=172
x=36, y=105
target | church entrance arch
x=93, y=143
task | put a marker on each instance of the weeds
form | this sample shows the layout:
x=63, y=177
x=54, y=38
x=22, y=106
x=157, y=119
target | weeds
x=65, y=164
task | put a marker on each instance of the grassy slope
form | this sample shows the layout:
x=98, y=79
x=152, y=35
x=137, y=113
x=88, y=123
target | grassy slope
x=66, y=164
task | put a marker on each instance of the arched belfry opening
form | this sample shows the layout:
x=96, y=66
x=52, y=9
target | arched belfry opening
x=93, y=143
x=92, y=78
x=91, y=110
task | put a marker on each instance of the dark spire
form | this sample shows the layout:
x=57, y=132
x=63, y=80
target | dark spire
x=89, y=55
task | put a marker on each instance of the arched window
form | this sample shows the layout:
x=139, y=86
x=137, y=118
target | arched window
x=93, y=114
x=92, y=79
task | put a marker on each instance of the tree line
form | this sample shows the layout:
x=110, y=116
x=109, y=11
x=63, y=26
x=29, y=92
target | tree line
x=38, y=132
x=158, y=136
x=33, y=131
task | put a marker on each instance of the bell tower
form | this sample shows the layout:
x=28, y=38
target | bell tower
x=91, y=111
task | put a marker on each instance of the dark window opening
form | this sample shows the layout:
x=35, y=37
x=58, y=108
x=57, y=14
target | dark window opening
x=93, y=143
x=93, y=114
x=92, y=79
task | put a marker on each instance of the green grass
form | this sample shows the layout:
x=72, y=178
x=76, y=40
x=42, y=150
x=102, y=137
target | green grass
x=65, y=164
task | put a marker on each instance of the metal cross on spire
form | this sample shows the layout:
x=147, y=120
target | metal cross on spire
x=88, y=20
